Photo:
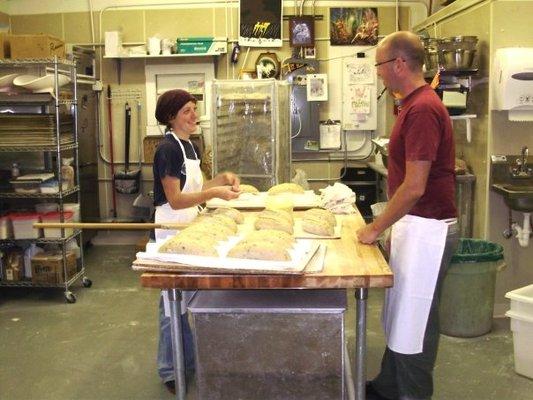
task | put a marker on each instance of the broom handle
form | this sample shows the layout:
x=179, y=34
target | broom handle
x=112, y=226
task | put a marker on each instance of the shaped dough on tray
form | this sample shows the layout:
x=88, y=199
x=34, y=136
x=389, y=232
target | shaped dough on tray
x=286, y=188
x=244, y=188
x=321, y=213
x=274, y=219
x=318, y=226
x=233, y=213
x=199, y=245
x=257, y=250
x=270, y=235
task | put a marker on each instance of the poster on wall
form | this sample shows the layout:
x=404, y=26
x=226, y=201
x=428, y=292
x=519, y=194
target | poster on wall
x=260, y=23
x=353, y=26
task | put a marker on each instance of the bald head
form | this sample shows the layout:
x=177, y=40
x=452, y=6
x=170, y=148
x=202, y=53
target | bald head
x=405, y=45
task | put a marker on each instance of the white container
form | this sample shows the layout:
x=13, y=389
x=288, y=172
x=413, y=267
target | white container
x=113, y=44
x=23, y=225
x=522, y=300
x=56, y=217
x=6, y=229
x=522, y=328
x=75, y=209
x=43, y=208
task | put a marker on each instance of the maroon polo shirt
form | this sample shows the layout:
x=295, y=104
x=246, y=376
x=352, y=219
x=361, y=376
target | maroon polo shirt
x=423, y=132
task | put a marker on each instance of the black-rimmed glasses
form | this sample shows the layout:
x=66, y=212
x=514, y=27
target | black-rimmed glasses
x=385, y=62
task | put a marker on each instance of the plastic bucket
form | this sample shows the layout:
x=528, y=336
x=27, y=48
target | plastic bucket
x=467, y=297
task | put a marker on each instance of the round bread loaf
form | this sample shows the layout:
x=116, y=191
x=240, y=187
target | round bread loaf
x=286, y=188
x=244, y=188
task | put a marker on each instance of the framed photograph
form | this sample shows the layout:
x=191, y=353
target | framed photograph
x=353, y=26
x=260, y=23
x=309, y=52
x=302, y=31
x=317, y=87
x=247, y=74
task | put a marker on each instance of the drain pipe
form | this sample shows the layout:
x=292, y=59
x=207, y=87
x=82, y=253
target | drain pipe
x=522, y=233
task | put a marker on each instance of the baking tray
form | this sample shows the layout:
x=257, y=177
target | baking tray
x=257, y=201
x=301, y=254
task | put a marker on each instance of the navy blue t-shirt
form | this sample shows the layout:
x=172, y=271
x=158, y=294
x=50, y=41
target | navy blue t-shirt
x=168, y=161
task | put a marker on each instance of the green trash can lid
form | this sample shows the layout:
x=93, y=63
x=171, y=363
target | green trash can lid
x=477, y=250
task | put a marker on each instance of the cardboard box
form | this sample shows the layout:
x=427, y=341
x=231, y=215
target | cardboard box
x=194, y=45
x=5, y=51
x=47, y=267
x=36, y=46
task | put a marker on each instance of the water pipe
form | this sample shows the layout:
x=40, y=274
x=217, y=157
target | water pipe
x=522, y=233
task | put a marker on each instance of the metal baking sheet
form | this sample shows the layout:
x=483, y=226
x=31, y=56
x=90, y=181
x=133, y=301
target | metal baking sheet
x=301, y=254
x=257, y=201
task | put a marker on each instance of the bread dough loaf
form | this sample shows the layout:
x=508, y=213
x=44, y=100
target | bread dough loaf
x=275, y=219
x=216, y=220
x=233, y=213
x=269, y=234
x=257, y=250
x=197, y=245
x=244, y=188
x=321, y=213
x=286, y=188
x=318, y=226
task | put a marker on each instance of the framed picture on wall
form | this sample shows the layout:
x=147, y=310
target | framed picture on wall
x=309, y=52
x=302, y=31
x=260, y=23
x=353, y=26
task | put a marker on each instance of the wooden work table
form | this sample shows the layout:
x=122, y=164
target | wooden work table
x=348, y=264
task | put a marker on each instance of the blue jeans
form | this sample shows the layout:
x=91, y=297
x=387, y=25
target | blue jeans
x=165, y=365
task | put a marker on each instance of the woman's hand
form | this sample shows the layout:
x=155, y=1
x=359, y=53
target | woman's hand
x=223, y=192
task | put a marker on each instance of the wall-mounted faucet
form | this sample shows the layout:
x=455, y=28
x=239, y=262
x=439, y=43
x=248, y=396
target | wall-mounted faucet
x=522, y=170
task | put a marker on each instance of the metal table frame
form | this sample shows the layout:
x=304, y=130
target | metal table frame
x=361, y=296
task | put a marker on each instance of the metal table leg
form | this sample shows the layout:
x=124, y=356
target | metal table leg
x=361, y=296
x=174, y=297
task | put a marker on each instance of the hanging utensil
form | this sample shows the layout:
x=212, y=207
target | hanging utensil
x=127, y=182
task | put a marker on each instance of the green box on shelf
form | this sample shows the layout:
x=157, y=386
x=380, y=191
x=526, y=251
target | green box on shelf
x=194, y=45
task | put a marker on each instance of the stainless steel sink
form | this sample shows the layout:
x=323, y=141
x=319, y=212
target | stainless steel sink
x=517, y=197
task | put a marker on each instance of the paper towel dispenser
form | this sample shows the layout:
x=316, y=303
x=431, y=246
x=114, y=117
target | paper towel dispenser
x=512, y=82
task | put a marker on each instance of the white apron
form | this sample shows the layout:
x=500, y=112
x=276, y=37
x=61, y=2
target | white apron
x=164, y=213
x=417, y=247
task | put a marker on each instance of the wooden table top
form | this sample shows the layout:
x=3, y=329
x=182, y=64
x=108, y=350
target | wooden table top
x=348, y=264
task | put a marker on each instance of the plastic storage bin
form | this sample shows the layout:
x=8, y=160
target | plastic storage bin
x=23, y=225
x=43, y=208
x=6, y=229
x=467, y=298
x=521, y=314
x=75, y=209
x=56, y=217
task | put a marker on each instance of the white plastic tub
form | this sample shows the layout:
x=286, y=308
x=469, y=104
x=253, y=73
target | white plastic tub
x=522, y=301
x=23, y=225
x=522, y=328
x=56, y=217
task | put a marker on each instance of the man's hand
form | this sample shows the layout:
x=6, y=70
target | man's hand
x=233, y=180
x=368, y=234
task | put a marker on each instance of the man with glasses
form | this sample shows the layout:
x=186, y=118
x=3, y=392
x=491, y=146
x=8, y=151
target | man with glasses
x=421, y=210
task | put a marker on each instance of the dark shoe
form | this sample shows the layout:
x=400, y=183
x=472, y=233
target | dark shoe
x=372, y=394
x=171, y=386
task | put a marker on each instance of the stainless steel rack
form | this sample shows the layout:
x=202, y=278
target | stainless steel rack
x=51, y=104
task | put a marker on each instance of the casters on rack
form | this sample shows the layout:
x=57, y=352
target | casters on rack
x=86, y=282
x=70, y=297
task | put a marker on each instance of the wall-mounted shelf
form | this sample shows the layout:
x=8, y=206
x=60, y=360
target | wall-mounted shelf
x=126, y=57
x=467, y=118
